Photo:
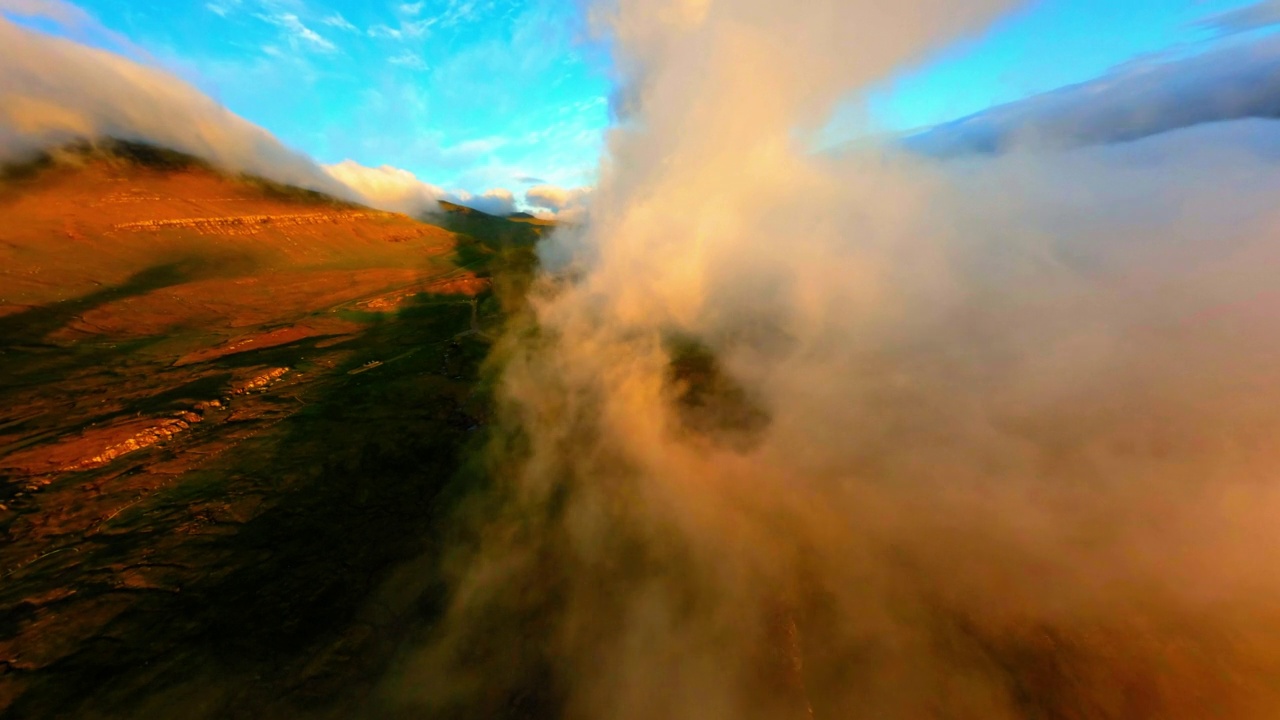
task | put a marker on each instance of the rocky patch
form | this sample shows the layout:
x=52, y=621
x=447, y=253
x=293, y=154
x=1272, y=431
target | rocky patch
x=240, y=225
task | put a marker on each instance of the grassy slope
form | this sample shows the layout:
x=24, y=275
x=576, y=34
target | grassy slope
x=226, y=570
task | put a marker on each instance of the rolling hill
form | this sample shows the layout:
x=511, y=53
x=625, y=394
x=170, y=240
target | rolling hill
x=227, y=410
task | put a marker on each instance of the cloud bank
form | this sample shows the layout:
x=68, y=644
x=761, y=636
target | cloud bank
x=389, y=188
x=567, y=204
x=877, y=436
x=495, y=201
x=1239, y=80
x=1264, y=13
x=401, y=191
x=53, y=91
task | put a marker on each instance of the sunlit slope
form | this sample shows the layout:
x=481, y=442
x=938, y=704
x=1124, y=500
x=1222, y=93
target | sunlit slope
x=170, y=263
x=226, y=407
x=135, y=241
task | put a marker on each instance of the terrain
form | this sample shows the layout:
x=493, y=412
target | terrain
x=230, y=413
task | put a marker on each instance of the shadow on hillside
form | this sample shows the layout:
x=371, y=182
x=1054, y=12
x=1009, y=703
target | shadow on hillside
x=273, y=617
x=31, y=326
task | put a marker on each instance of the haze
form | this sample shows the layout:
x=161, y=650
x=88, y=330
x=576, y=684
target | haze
x=660, y=359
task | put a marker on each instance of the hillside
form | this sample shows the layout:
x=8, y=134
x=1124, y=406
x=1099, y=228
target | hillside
x=227, y=410
x=514, y=231
x=97, y=221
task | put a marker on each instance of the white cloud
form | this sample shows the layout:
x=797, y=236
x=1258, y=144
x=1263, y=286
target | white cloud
x=456, y=13
x=336, y=20
x=58, y=10
x=411, y=29
x=1251, y=17
x=54, y=91
x=480, y=146
x=1239, y=80
x=495, y=201
x=80, y=23
x=389, y=188
x=552, y=197
x=460, y=11
x=297, y=32
x=409, y=59
x=398, y=190
x=384, y=31
x=558, y=202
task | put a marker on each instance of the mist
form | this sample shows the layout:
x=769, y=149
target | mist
x=55, y=91
x=787, y=435
x=398, y=190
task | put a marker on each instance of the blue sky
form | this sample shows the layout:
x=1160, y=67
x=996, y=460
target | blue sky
x=473, y=94
x=469, y=94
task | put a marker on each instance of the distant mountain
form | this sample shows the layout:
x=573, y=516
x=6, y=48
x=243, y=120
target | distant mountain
x=1233, y=82
x=456, y=209
x=494, y=232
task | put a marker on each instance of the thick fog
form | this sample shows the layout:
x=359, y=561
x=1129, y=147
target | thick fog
x=878, y=436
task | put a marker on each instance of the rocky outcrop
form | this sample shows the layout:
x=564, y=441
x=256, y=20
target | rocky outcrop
x=260, y=383
x=241, y=224
x=168, y=428
x=164, y=430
